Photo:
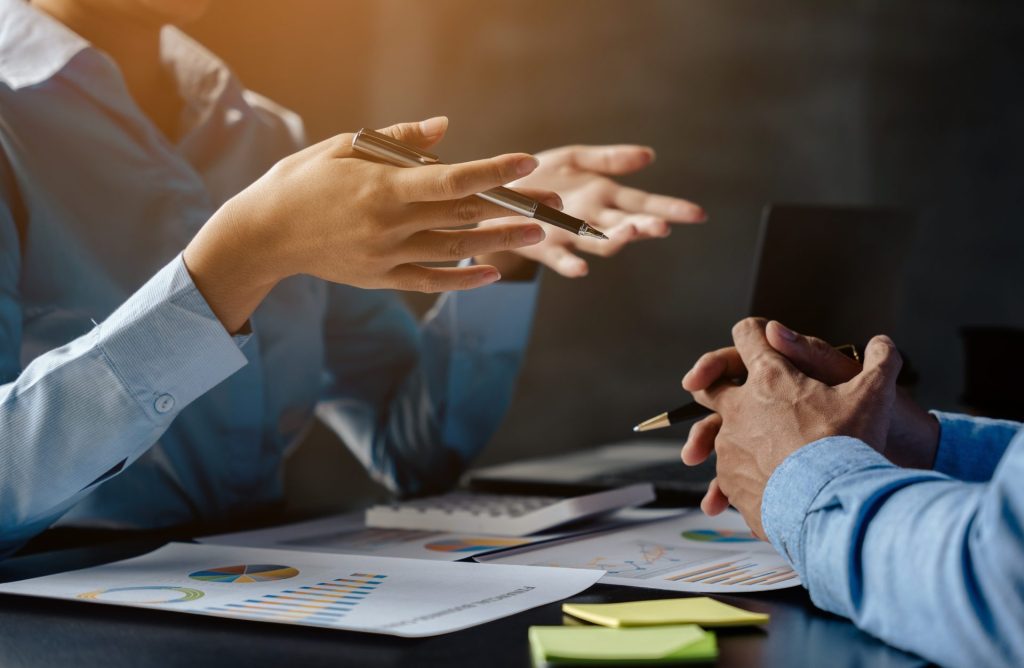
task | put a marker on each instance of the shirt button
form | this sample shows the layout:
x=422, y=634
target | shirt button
x=164, y=403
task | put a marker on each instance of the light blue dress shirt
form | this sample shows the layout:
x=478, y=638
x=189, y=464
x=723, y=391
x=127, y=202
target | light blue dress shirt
x=155, y=415
x=930, y=561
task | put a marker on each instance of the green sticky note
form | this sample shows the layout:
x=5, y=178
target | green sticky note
x=596, y=645
x=697, y=610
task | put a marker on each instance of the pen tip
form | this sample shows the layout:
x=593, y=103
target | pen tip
x=589, y=231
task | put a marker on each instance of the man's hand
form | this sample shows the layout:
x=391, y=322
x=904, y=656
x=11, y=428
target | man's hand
x=913, y=436
x=581, y=175
x=778, y=410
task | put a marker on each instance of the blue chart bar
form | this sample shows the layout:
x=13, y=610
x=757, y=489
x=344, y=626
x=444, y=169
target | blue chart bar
x=324, y=602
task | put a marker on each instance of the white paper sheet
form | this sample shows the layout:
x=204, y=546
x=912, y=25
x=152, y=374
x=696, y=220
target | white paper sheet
x=402, y=597
x=348, y=534
x=691, y=553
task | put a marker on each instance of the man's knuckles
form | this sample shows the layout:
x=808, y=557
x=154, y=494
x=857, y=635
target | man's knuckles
x=748, y=326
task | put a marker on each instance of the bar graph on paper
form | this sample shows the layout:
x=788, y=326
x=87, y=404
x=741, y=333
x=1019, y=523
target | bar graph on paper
x=324, y=602
x=684, y=566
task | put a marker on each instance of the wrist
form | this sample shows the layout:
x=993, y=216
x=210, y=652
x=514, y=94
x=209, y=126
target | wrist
x=231, y=269
x=913, y=440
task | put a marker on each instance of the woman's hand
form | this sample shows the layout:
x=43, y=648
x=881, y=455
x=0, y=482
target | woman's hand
x=327, y=213
x=581, y=175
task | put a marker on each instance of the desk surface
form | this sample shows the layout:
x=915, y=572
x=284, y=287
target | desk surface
x=40, y=632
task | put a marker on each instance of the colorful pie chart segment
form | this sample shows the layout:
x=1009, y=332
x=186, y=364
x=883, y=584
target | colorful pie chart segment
x=152, y=594
x=474, y=544
x=245, y=573
x=719, y=536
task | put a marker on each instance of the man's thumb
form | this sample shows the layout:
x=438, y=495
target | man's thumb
x=882, y=362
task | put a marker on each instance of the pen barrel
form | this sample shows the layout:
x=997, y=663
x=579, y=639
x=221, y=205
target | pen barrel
x=511, y=200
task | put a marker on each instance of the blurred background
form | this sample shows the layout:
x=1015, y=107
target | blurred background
x=911, y=104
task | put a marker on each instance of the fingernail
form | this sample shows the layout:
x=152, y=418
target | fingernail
x=491, y=276
x=533, y=235
x=526, y=166
x=555, y=202
x=434, y=126
x=784, y=331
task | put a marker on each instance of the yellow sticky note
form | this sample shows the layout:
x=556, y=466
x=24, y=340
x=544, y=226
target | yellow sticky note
x=596, y=645
x=697, y=610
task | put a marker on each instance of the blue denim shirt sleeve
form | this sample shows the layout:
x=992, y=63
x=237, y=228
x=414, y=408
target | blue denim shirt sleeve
x=930, y=564
x=77, y=415
x=416, y=402
x=970, y=447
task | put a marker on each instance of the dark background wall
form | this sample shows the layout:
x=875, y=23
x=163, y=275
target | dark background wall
x=915, y=104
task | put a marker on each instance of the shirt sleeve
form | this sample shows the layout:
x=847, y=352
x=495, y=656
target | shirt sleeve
x=77, y=415
x=970, y=447
x=415, y=402
x=930, y=564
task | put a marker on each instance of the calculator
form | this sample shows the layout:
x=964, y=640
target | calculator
x=500, y=514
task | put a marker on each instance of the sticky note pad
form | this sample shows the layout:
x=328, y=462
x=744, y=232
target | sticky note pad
x=697, y=610
x=597, y=645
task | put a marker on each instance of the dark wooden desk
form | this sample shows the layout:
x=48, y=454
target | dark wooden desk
x=42, y=633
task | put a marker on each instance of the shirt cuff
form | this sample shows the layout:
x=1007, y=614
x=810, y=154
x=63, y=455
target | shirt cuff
x=794, y=485
x=166, y=345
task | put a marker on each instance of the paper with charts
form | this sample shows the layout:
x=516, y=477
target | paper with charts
x=348, y=534
x=692, y=553
x=402, y=597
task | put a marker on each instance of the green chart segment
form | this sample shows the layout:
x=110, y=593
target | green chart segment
x=245, y=573
x=719, y=536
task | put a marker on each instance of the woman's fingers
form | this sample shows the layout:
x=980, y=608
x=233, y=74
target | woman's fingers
x=647, y=226
x=611, y=160
x=471, y=210
x=561, y=260
x=417, y=278
x=670, y=208
x=434, y=183
x=447, y=245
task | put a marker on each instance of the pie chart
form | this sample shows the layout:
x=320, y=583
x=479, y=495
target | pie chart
x=151, y=594
x=245, y=573
x=474, y=544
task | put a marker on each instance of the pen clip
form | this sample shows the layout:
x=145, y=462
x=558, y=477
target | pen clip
x=385, y=147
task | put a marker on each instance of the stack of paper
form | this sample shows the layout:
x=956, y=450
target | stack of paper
x=662, y=631
x=596, y=645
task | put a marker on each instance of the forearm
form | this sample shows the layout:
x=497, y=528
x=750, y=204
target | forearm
x=970, y=448
x=78, y=414
x=894, y=550
x=418, y=420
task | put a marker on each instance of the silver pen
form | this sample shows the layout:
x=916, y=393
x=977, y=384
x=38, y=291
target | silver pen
x=400, y=154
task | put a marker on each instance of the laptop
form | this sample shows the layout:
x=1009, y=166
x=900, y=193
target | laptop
x=833, y=272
